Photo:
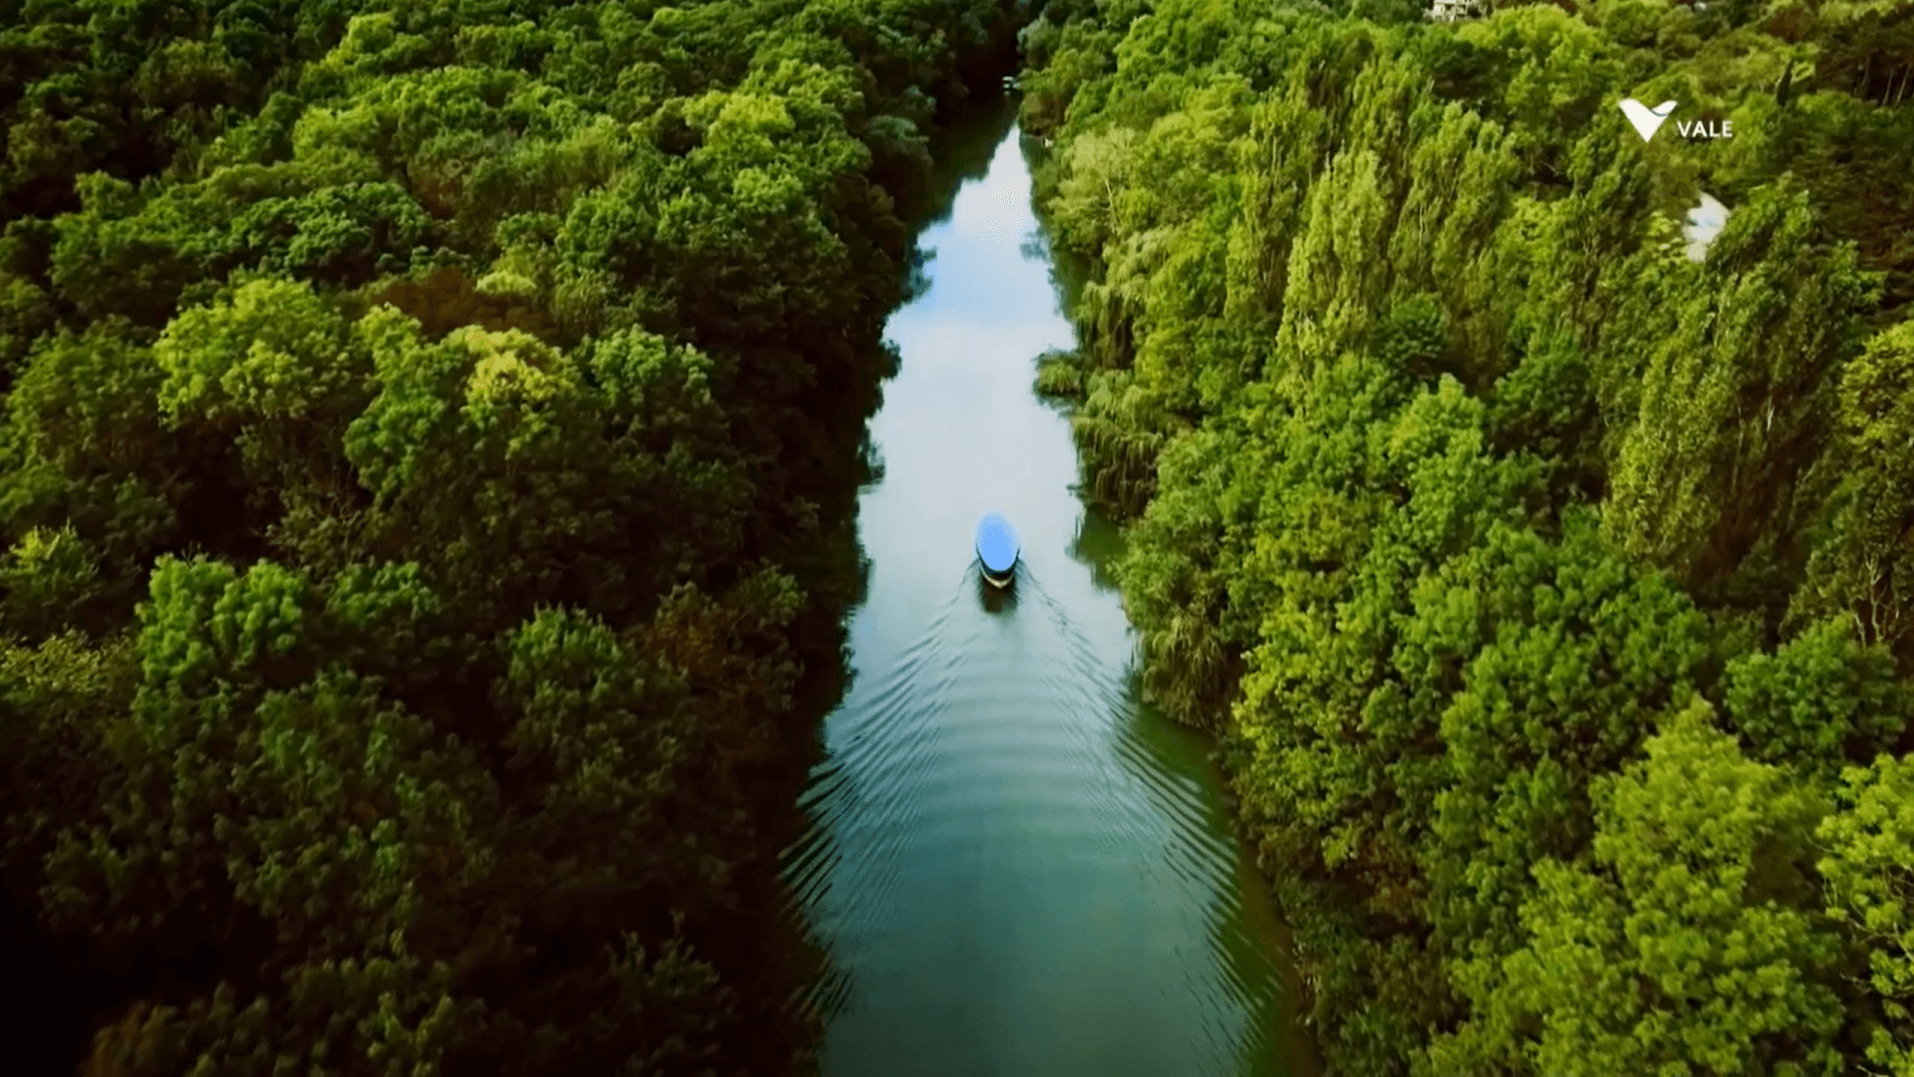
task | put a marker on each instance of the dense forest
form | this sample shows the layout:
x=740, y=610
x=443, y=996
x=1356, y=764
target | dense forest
x=428, y=462
x=429, y=454
x=1550, y=590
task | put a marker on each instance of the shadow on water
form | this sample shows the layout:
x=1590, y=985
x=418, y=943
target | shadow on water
x=997, y=600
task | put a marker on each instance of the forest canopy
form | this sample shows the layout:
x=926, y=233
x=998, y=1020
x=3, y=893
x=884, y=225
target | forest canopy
x=431, y=434
x=427, y=465
x=1547, y=582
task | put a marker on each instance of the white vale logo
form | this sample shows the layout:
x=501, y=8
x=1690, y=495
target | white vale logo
x=1646, y=120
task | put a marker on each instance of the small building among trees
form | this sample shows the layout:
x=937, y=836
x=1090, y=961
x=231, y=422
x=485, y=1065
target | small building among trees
x=1454, y=10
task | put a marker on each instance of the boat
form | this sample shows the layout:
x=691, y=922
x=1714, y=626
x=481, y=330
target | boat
x=997, y=549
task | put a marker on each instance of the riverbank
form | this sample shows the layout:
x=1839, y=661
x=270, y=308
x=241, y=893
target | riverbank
x=1503, y=545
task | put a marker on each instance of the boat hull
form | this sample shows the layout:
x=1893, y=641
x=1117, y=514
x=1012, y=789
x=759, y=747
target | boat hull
x=998, y=550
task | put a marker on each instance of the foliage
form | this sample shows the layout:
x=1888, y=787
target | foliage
x=430, y=446
x=1539, y=580
x=1682, y=945
x=1869, y=894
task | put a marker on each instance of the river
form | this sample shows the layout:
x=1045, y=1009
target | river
x=1018, y=869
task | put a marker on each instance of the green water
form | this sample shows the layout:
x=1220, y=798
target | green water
x=1018, y=869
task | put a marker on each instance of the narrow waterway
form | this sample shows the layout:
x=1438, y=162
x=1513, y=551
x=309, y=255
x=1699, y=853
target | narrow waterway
x=1018, y=869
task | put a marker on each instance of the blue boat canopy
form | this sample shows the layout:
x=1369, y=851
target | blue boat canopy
x=996, y=543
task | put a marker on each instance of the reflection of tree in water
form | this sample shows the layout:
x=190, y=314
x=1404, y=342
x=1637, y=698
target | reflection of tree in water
x=1099, y=542
x=1069, y=270
x=870, y=461
x=962, y=153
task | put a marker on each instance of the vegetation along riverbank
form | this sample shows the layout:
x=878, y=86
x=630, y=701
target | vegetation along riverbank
x=1547, y=581
x=430, y=449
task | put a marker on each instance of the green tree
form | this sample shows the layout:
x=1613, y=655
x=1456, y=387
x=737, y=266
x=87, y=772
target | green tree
x=1689, y=941
x=1733, y=401
x=1856, y=568
x=1819, y=702
x=1870, y=888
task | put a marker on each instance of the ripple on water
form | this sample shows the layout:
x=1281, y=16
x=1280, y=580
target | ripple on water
x=889, y=728
x=1017, y=868
x=996, y=774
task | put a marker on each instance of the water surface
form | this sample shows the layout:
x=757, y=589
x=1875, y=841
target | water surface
x=1018, y=869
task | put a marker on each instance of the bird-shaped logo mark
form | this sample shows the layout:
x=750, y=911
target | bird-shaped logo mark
x=1646, y=120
